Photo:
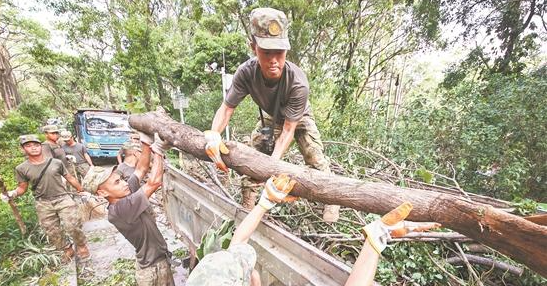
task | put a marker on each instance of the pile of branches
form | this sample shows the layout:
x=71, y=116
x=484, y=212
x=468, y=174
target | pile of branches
x=344, y=238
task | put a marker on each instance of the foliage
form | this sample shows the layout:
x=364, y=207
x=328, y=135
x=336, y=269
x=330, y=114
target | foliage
x=216, y=239
x=21, y=257
x=123, y=274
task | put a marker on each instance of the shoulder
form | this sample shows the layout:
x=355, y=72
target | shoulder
x=23, y=166
x=247, y=68
x=296, y=74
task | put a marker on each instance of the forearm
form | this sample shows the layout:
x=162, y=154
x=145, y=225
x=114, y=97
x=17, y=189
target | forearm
x=156, y=176
x=222, y=117
x=21, y=189
x=282, y=143
x=73, y=182
x=88, y=159
x=364, y=269
x=143, y=165
x=248, y=225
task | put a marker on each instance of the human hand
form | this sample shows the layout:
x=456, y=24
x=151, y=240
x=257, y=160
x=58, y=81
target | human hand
x=213, y=147
x=71, y=158
x=145, y=138
x=276, y=190
x=9, y=195
x=159, y=146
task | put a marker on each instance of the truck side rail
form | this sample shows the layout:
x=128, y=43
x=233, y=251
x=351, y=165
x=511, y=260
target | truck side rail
x=282, y=258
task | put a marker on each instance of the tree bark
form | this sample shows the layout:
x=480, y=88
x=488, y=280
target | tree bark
x=514, y=236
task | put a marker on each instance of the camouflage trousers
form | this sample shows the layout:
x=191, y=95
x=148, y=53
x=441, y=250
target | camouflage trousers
x=81, y=170
x=309, y=143
x=57, y=214
x=158, y=274
x=306, y=136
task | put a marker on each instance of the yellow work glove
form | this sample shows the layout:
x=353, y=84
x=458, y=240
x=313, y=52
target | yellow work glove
x=276, y=190
x=213, y=147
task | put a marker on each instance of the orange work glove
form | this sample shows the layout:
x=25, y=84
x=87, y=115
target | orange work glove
x=214, y=147
x=392, y=224
x=276, y=190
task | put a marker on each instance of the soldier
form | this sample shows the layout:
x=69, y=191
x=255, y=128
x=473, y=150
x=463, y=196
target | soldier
x=134, y=138
x=79, y=156
x=54, y=206
x=281, y=90
x=51, y=147
x=132, y=152
x=127, y=211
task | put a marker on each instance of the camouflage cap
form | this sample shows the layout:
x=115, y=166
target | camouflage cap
x=270, y=29
x=232, y=267
x=50, y=128
x=95, y=177
x=28, y=138
x=66, y=135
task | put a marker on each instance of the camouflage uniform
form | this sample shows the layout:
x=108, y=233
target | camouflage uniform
x=158, y=274
x=54, y=212
x=55, y=208
x=269, y=28
x=231, y=267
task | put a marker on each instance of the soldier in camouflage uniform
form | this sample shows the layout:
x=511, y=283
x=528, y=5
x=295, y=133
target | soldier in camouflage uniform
x=281, y=90
x=51, y=147
x=128, y=211
x=54, y=206
x=80, y=159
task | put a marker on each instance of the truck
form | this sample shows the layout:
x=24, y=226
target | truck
x=102, y=132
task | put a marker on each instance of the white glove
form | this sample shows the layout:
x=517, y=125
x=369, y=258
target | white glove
x=145, y=138
x=71, y=158
x=276, y=190
x=11, y=195
x=213, y=147
x=377, y=235
x=85, y=195
x=159, y=146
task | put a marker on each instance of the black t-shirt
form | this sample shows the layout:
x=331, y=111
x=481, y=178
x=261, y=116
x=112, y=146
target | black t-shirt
x=130, y=216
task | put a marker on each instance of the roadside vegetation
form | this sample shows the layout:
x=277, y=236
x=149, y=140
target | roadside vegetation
x=394, y=94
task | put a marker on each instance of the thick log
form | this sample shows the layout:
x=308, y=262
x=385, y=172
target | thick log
x=522, y=240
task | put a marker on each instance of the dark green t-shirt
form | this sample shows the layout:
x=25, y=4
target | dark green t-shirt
x=51, y=184
x=137, y=225
x=51, y=150
x=77, y=150
x=294, y=90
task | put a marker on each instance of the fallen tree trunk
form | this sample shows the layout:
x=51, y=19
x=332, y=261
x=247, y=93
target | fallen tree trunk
x=514, y=236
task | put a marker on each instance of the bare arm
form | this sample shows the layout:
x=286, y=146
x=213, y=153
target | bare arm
x=119, y=157
x=222, y=117
x=143, y=165
x=285, y=139
x=21, y=188
x=88, y=159
x=156, y=175
x=364, y=269
x=248, y=225
x=74, y=182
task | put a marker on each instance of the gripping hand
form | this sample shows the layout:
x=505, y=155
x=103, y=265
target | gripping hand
x=159, y=146
x=10, y=195
x=392, y=224
x=213, y=147
x=145, y=138
x=276, y=190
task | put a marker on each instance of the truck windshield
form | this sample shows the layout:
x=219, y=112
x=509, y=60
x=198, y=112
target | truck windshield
x=107, y=124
